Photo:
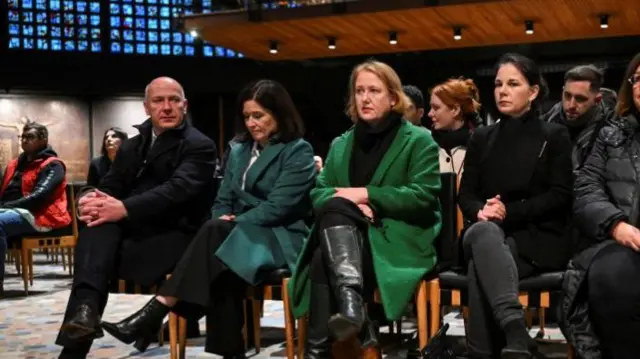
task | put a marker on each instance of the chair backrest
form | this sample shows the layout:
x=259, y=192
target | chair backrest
x=447, y=242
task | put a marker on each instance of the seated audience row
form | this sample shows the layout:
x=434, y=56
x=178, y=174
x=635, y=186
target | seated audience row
x=376, y=212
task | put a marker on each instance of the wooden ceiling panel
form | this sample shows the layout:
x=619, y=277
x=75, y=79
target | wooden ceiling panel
x=363, y=30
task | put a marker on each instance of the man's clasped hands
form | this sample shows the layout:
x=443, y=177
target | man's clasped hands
x=97, y=207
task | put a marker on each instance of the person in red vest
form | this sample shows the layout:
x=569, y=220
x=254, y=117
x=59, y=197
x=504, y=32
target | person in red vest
x=32, y=196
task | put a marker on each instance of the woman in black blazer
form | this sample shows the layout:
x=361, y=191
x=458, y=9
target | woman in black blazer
x=111, y=141
x=516, y=190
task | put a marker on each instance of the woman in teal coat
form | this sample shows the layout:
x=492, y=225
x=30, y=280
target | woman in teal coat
x=377, y=216
x=258, y=225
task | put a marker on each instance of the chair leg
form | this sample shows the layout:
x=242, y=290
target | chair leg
x=16, y=255
x=434, y=307
x=24, y=253
x=541, y=319
x=30, y=267
x=182, y=337
x=302, y=335
x=421, y=309
x=256, y=307
x=570, y=352
x=173, y=335
x=64, y=259
x=70, y=256
x=289, y=324
x=528, y=317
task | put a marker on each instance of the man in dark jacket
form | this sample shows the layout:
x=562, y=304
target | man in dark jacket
x=143, y=214
x=581, y=110
x=599, y=313
x=32, y=194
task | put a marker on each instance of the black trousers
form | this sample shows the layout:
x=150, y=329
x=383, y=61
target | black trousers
x=97, y=259
x=204, y=285
x=614, y=301
x=493, y=272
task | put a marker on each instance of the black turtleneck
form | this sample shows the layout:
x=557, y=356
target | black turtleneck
x=370, y=144
x=447, y=139
x=507, y=155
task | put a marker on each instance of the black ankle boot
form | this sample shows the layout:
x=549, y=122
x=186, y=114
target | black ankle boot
x=519, y=344
x=343, y=247
x=141, y=327
x=318, y=344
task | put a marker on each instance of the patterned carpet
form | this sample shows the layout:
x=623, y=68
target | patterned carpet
x=28, y=325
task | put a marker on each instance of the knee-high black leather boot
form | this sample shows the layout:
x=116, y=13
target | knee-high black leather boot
x=318, y=342
x=141, y=326
x=343, y=246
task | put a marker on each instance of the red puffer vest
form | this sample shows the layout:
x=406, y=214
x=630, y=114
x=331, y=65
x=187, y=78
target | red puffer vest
x=54, y=213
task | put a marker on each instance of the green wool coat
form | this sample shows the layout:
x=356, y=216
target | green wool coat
x=270, y=210
x=404, y=194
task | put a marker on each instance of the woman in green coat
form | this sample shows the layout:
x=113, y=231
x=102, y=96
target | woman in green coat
x=377, y=216
x=258, y=225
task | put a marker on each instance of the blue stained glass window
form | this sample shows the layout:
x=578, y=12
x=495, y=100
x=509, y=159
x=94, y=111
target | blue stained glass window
x=58, y=25
x=14, y=43
x=14, y=29
x=56, y=45
x=43, y=44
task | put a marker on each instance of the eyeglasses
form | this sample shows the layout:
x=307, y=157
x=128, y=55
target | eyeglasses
x=634, y=79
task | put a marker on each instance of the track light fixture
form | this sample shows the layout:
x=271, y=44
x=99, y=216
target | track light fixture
x=457, y=33
x=528, y=27
x=393, y=37
x=332, y=43
x=273, y=47
x=604, y=21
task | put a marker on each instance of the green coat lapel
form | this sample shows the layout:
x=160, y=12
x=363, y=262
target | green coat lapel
x=267, y=156
x=344, y=158
x=394, y=150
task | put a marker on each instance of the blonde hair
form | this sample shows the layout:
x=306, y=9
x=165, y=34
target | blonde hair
x=389, y=78
x=462, y=92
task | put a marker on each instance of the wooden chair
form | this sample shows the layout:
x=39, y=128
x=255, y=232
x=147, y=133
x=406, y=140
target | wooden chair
x=273, y=288
x=62, y=238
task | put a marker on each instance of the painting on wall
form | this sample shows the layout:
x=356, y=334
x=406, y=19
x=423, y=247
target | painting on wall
x=66, y=119
x=123, y=113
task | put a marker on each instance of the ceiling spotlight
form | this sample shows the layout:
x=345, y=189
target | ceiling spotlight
x=273, y=47
x=457, y=33
x=332, y=43
x=604, y=21
x=528, y=27
x=193, y=33
x=393, y=37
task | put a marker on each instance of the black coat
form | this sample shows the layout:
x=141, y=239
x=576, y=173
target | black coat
x=168, y=194
x=539, y=180
x=606, y=191
x=97, y=170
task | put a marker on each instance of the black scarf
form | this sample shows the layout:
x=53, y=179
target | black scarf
x=370, y=144
x=448, y=139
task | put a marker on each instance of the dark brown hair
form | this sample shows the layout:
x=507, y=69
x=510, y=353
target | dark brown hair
x=625, y=95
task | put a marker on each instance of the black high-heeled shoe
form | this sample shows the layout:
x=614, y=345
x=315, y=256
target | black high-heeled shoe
x=141, y=326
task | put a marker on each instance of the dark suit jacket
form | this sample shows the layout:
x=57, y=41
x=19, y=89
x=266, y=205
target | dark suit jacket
x=538, y=200
x=168, y=193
